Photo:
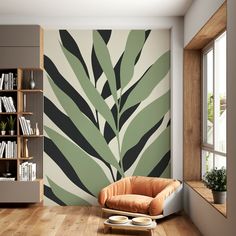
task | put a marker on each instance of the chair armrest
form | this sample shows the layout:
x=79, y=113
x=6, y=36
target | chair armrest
x=120, y=187
x=157, y=204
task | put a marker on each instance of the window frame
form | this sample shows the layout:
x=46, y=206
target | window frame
x=207, y=147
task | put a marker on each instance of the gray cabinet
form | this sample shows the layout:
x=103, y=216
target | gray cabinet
x=21, y=46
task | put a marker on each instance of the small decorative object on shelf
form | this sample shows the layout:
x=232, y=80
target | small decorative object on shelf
x=216, y=181
x=7, y=174
x=3, y=126
x=25, y=148
x=11, y=125
x=36, y=129
x=24, y=102
x=32, y=82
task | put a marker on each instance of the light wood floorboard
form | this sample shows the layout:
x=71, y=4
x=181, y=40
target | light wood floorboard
x=76, y=220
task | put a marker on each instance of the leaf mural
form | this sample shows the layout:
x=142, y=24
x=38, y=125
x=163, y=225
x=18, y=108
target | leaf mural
x=112, y=127
x=80, y=161
x=97, y=70
x=69, y=43
x=63, y=84
x=151, y=78
x=89, y=131
x=104, y=59
x=65, y=196
x=134, y=45
x=145, y=120
x=89, y=89
x=153, y=154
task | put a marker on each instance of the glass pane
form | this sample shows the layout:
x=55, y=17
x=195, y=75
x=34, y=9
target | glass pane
x=220, y=93
x=207, y=162
x=208, y=110
x=220, y=161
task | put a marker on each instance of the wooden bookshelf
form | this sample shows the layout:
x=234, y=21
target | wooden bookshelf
x=33, y=110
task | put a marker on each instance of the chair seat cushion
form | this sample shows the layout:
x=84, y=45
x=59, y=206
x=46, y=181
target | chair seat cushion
x=130, y=202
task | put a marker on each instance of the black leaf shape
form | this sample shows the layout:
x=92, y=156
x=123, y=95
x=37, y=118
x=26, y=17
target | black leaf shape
x=68, y=127
x=70, y=44
x=49, y=194
x=147, y=32
x=59, y=80
x=124, y=117
x=97, y=70
x=105, y=34
x=132, y=154
x=118, y=176
x=55, y=154
x=161, y=166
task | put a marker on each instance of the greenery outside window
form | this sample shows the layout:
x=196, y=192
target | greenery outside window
x=214, y=105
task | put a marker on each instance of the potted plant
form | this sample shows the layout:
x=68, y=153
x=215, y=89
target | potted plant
x=216, y=181
x=11, y=124
x=3, y=126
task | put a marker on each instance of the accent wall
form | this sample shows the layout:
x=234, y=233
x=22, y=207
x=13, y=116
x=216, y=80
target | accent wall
x=107, y=110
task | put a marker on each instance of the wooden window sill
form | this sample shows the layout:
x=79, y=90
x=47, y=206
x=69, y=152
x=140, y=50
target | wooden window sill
x=205, y=193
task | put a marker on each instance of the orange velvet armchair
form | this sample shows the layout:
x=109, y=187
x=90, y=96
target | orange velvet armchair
x=139, y=195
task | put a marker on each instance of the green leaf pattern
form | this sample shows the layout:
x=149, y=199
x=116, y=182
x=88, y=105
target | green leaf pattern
x=90, y=172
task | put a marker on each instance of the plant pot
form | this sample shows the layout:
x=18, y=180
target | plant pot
x=219, y=197
x=11, y=132
x=3, y=132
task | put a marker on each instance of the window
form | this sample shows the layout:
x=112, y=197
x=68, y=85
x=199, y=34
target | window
x=214, y=105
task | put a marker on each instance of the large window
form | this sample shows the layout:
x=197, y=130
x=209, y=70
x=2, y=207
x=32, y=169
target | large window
x=214, y=105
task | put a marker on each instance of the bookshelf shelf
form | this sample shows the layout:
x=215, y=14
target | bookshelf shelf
x=31, y=136
x=27, y=171
x=8, y=91
x=31, y=91
x=8, y=113
x=25, y=158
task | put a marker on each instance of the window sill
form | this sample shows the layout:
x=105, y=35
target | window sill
x=205, y=193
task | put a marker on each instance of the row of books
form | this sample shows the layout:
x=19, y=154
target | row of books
x=8, y=104
x=8, y=81
x=25, y=126
x=9, y=149
x=27, y=171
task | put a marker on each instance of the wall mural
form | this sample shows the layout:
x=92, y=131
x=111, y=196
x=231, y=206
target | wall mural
x=107, y=110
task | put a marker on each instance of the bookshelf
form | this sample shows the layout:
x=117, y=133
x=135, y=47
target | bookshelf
x=28, y=103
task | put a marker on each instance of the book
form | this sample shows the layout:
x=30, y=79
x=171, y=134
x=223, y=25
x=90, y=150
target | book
x=27, y=171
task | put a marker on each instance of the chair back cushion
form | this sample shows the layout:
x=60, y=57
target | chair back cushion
x=148, y=186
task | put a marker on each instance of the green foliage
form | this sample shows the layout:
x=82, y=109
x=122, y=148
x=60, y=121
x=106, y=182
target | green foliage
x=216, y=179
x=3, y=125
x=11, y=122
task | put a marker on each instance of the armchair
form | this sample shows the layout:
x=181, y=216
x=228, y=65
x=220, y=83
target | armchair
x=142, y=196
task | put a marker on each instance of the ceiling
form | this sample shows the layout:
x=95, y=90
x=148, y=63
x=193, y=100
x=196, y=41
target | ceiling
x=93, y=8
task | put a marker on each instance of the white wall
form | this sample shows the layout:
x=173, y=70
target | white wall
x=197, y=15
x=209, y=221
x=173, y=23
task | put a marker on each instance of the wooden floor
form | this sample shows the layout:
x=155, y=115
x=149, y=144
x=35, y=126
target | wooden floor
x=84, y=221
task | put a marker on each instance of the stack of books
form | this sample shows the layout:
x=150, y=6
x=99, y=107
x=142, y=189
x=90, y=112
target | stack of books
x=27, y=171
x=8, y=104
x=8, y=82
x=25, y=126
x=10, y=149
